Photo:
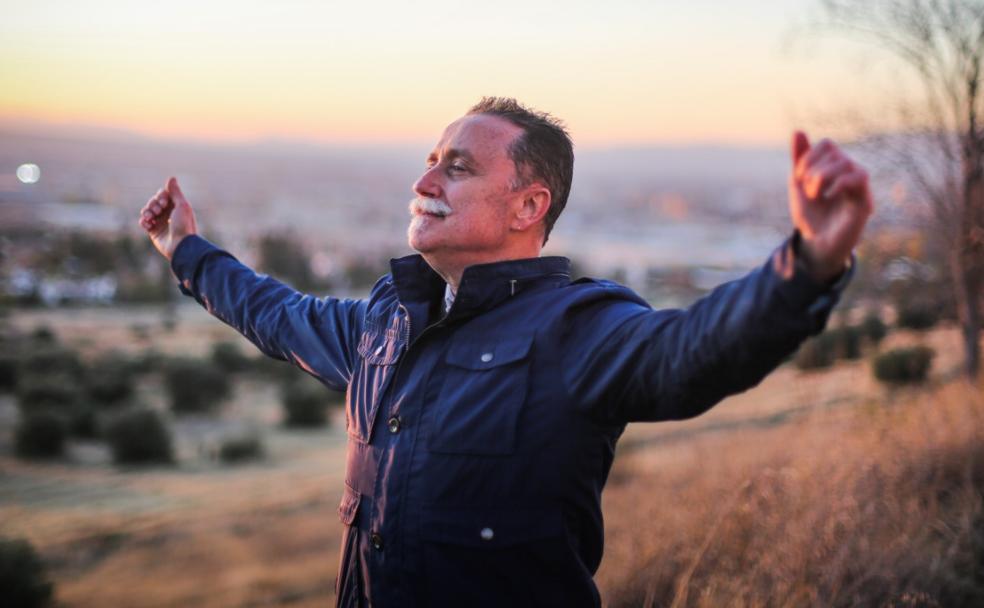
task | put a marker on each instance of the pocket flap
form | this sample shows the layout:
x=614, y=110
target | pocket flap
x=486, y=354
x=349, y=506
x=488, y=528
x=380, y=346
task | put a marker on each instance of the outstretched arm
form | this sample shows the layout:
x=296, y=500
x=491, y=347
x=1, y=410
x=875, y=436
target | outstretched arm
x=640, y=364
x=319, y=335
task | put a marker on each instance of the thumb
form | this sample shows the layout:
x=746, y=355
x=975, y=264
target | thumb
x=174, y=190
x=800, y=146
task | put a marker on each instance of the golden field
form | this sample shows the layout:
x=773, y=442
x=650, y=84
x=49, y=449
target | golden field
x=821, y=489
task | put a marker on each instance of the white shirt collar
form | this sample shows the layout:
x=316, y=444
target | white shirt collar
x=448, y=298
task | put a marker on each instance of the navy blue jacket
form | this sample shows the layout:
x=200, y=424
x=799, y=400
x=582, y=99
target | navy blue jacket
x=480, y=441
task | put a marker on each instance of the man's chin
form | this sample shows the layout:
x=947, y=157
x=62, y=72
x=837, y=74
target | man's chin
x=417, y=237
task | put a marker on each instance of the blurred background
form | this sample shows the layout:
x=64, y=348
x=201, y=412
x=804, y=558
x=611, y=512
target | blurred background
x=150, y=457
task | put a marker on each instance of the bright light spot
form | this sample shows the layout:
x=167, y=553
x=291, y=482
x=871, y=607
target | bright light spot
x=29, y=173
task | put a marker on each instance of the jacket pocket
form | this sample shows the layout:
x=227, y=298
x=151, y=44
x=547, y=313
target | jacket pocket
x=379, y=350
x=479, y=406
x=349, y=507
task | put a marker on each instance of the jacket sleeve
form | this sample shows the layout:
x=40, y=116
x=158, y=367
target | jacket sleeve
x=637, y=364
x=319, y=335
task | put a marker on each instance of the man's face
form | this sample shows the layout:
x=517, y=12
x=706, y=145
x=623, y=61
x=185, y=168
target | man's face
x=470, y=172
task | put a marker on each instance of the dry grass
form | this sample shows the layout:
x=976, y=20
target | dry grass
x=873, y=506
x=819, y=490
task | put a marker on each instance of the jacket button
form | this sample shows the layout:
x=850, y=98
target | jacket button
x=376, y=540
x=486, y=357
x=487, y=534
x=393, y=424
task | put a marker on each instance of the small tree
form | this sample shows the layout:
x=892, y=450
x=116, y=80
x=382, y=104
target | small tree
x=305, y=404
x=40, y=434
x=936, y=136
x=48, y=359
x=23, y=577
x=241, y=448
x=818, y=352
x=903, y=365
x=282, y=255
x=195, y=385
x=918, y=315
x=846, y=342
x=873, y=328
x=110, y=380
x=139, y=436
x=58, y=392
x=8, y=372
x=228, y=357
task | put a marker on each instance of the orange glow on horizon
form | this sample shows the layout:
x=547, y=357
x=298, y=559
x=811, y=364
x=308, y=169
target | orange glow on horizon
x=249, y=71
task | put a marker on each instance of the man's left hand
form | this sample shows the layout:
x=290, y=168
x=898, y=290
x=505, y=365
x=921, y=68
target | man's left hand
x=829, y=201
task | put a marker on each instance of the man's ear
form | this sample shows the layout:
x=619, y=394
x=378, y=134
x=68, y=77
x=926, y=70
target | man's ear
x=534, y=207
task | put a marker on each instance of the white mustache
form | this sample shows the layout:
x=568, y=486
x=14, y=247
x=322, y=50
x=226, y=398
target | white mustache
x=429, y=205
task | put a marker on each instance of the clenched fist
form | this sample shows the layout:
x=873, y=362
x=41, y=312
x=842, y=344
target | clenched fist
x=829, y=202
x=168, y=218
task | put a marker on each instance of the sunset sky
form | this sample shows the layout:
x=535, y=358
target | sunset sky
x=622, y=72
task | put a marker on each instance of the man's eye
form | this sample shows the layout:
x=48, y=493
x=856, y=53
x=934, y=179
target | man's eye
x=457, y=168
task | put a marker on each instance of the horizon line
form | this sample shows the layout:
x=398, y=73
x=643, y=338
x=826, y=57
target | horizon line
x=108, y=133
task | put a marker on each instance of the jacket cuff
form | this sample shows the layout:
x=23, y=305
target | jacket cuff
x=186, y=260
x=799, y=287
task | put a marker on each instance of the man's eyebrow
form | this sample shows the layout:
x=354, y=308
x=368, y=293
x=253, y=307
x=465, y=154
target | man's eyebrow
x=454, y=153
x=460, y=153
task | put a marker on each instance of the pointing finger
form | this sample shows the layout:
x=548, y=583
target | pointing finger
x=800, y=145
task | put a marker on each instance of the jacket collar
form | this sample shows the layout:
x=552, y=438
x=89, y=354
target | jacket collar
x=483, y=286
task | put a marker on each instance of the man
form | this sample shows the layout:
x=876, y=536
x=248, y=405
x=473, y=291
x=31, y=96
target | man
x=485, y=389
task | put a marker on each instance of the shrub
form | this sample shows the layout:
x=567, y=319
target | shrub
x=110, y=380
x=238, y=449
x=22, y=575
x=195, y=385
x=277, y=370
x=8, y=372
x=283, y=255
x=903, y=365
x=816, y=353
x=43, y=333
x=873, y=328
x=48, y=392
x=228, y=357
x=52, y=359
x=846, y=342
x=83, y=421
x=917, y=314
x=151, y=360
x=138, y=436
x=40, y=434
x=305, y=404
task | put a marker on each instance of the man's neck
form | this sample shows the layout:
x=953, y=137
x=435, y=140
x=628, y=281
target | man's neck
x=452, y=270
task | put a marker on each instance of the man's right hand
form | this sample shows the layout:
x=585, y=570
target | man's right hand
x=168, y=218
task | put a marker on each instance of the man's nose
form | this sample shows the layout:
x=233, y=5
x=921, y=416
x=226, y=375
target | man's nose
x=429, y=185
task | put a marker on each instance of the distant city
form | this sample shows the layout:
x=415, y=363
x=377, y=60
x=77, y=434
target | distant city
x=634, y=213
